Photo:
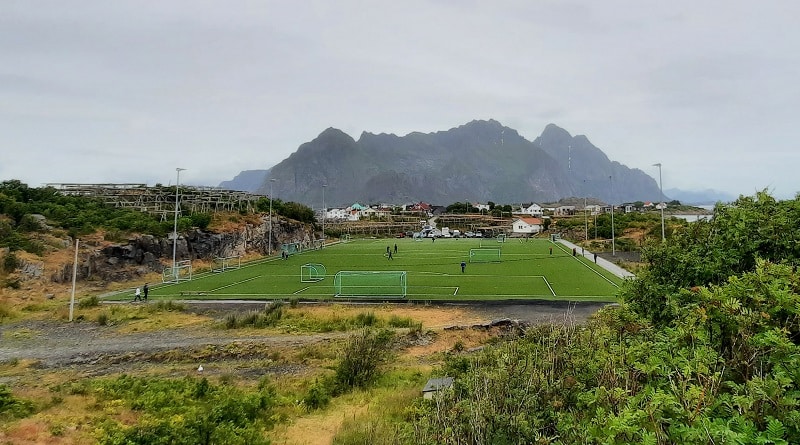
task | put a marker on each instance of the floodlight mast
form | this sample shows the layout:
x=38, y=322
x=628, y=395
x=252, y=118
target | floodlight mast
x=613, y=246
x=662, y=204
x=324, y=211
x=269, y=249
x=175, y=226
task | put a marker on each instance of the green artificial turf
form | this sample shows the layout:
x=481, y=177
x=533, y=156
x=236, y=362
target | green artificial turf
x=527, y=270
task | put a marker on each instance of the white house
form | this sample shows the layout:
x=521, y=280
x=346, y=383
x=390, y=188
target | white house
x=336, y=214
x=527, y=225
x=565, y=211
x=593, y=209
x=534, y=210
x=480, y=207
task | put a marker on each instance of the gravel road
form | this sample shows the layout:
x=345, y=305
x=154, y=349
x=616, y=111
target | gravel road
x=55, y=344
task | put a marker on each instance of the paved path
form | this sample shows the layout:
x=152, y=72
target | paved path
x=605, y=264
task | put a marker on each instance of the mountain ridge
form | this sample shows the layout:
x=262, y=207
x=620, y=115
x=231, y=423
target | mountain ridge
x=481, y=160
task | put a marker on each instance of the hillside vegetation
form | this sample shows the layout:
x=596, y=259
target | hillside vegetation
x=704, y=349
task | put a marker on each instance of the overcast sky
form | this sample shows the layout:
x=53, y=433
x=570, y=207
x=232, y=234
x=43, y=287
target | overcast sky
x=126, y=91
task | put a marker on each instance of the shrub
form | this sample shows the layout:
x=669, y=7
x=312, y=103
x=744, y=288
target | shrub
x=361, y=358
x=102, y=319
x=10, y=262
x=88, y=302
x=11, y=407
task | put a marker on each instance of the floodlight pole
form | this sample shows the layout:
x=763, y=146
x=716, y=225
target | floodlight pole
x=613, y=245
x=662, y=204
x=175, y=226
x=269, y=249
x=324, y=211
x=74, y=278
x=586, y=218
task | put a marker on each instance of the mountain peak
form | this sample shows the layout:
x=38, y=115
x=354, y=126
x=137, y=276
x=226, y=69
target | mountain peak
x=554, y=133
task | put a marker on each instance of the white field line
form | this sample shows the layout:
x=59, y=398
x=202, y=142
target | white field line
x=301, y=290
x=548, y=285
x=595, y=271
x=456, y=291
x=236, y=283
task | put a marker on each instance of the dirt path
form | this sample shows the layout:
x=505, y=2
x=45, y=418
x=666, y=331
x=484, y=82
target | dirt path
x=55, y=343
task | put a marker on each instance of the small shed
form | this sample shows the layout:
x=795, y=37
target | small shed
x=435, y=385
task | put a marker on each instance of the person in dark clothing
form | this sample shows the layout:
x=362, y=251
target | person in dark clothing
x=574, y=252
x=551, y=250
x=595, y=258
x=145, y=291
x=463, y=266
x=390, y=254
x=395, y=248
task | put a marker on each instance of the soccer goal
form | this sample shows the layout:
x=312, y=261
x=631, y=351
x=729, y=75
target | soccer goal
x=484, y=255
x=310, y=273
x=221, y=264
x=370, y=284
x=501, y=238
x=345, y=238
x=291, y=248
x=182, y=271
x=418, y=236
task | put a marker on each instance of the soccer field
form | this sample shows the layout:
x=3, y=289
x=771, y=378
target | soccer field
x=525, y=270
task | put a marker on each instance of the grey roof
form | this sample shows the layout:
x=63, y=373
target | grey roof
x=437, y=384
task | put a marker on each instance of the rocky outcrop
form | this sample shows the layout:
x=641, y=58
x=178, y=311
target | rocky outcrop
x=146, y=254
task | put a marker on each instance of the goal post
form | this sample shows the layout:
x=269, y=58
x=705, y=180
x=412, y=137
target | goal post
x=221, y=264
x=345, y=238
x=485, y=255
x=182, y=271
x=370, y=284
x=310, y=273
x=501, y=238
x=291, y=248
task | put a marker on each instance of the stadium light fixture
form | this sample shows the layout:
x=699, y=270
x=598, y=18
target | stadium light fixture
x=269, y=249
x=662, y=204
x=178, y=171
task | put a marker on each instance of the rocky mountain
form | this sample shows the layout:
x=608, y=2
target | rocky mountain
x=246, y=181
x=479, y=161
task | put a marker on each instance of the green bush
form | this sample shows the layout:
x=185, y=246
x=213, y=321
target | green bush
x=85, y=303
x=11, y=407
x=186, y=411
x=10, y=262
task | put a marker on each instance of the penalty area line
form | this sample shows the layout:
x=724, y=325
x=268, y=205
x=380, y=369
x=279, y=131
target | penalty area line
x=456, y=291
x=302, y=290
x=548, y=285
x=234, y=284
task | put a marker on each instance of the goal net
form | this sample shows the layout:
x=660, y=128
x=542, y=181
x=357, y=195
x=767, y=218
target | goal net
x=484, y=255
x=384, y=284
x=221, y=264
x=345, y=238
x=291, y=248
x=501, y=238
x=418, y=236
x=182, y=271
x=310, y=273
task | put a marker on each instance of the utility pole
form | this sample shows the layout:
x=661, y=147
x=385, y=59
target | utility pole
x=613, y=246
x=175, y=226
x=269, y=249
x=662, y=204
